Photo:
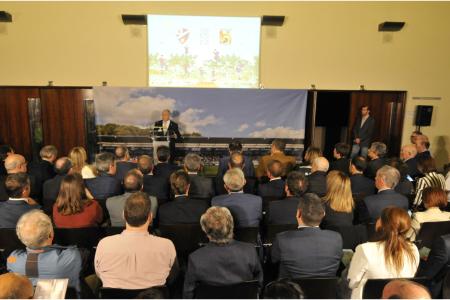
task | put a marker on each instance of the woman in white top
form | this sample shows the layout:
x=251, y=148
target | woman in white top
x=392, y=256
x=78, y=156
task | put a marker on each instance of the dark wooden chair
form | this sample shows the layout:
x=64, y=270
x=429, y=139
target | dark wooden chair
x=159, y=292
x=352, y=235
x=429, y=231
x=247, y=234
x=318, y=288
x=373, y=289
x=272, y=230
x=186, y=237
x=81, y=237
x=9, y=241
x=243, y=290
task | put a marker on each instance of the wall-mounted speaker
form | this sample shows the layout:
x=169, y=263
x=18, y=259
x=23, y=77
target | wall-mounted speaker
x=391, y=26
x=134, y=19
x=5, y=16
x=272, y=20
x=423, y=115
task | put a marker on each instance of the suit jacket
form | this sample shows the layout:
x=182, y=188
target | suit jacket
x=374, y=204
x=245, y=208
x=342, y=164
x=423, y=155
x=249, y=168
x=157, y=186
x=412, y=167
x=173, y=129
x=103, y=186
x=12, y=210
x=373, y=166
x=201, y=186
x=362, y=185
x=317, y=183
x=307, y=252
x=404, y=187
x=41, y=171
x=3, y=195
x=287, y=161
x=123, y=167
x=283, y=211
x=273, y=188
x=364, y=133
x=216, y=264
x=182, y=210
x=51, y=192
x=165, y=170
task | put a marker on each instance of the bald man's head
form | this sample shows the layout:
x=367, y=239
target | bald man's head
x=405, y=289
x=320, y=164
x=408, y=152
x=132, y=182
x=63, y=166
x=15, y=163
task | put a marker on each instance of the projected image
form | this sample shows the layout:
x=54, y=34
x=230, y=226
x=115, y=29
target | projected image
x=189, y=51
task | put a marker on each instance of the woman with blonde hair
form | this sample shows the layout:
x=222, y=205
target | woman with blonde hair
x=310, y=154
x=338, y=201
x=391, y=256
x=78, y=156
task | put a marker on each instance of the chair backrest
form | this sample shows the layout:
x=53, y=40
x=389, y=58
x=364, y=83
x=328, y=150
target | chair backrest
x=318, y=288
x=246, y=234
x=373, y=289
x=82, y=237
x=242, y=290
x=186, y=237
x=9, y=241
x=429, y=231
x=161, y=292
x=273, y=229
x=352, y=235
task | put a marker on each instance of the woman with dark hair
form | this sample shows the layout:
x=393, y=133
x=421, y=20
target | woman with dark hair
x=431, y=178
x=72, y=208
x=391, y=256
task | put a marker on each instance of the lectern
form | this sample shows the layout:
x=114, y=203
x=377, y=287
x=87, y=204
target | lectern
x=157, y=141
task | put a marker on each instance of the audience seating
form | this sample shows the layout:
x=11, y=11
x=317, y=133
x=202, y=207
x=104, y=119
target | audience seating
x=247, y=234
x=267, y=200
x=110, y=293
x=429, y=231
x=352, y=236
x=446, y=287
x=82, y=237
x=371, y=232
x=186, y=237
x=318, y=288
x=243, y=290
x=9, y=241
x=273, y=229
x=373, y=289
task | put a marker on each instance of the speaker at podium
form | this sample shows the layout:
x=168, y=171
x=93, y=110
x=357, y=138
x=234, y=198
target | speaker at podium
x=157, y=141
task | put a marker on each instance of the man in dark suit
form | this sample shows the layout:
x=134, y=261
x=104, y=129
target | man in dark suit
x=377, y=152
x=245, y=208
x=361, y=184
x=154, y=185
x=317, y=180
x=168, y=128
x=308, y=251
x=223, y=260
x=342, y=163
x=19, y=202
x=237, y=160
x=422, y=146
x=63, y=166
x=16, y=163
x=362, y=132
x=43, y=169
x=284, y=211
x=248, y=167
x=275, y=187
x=5, y=151
x=164, y=168
x=408, y=155
x=385, y=181
x=183, y=209
x=200, y=186
x=123, y=163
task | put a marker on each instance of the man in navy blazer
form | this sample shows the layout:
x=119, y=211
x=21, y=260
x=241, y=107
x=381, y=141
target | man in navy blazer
x=386, y=179
x=245, y=208
x=275, y=187
x=308, y=251
x=164, y=168
x=200, y=186
x=168, y=128
x=123, y=163
x=317, y=180
x=408, y=155
x=248, y=168
x=362, y=132
x=361, y=184
x=63, y=166
x=377, y=152
x=154, y=185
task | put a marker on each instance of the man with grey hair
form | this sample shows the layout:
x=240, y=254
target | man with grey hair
x=377, y=153
x=168, y=128
x=317, y=180
x=385, y=181
x=408, y=155
x=41, y=259
x=16, y=163
x=123, y=162
x=154, y=185
x=63, y=166
x=245, y=208
x=223, y=260
x=201, y=186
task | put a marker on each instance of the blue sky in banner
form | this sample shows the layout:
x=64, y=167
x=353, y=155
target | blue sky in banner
x=264, y=113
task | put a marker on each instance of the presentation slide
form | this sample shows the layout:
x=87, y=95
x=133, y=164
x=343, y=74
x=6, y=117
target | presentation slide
x=199, y=51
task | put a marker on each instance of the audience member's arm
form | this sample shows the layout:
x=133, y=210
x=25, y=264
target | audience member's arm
x=437, y=259
x=358, y=267
x=174, y=271
x=190, y=281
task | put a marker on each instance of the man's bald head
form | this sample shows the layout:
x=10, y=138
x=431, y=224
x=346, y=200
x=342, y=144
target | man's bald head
x=15, y=163
x=132, y=182
x=63, y=166
x=320, y=164
x=405, y=289
x=408, y=151
x=236, y=160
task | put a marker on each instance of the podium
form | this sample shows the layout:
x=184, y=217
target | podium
x=157, y=141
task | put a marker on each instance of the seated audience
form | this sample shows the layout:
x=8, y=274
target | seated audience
x=405, y=289
x=15, y=286
x=283, y=289
x=223, y=260
x=284, y=211
x=123, y=163
x=276, y=153
x=404, y=186
x=317, y=180
x=275, y=187
x=43, y=169
x=245, y=208
x=63, y=167
x=233, y=147
x=339, y=203
x=342, y=163
x=72, y=208
x=16, y=163
x=105, y=185
x=42, y=259
x=132, y=183
x=422, y=145
x=376, y=153
x=183, y=209
x=136, y=259
x=78, y=156
x=431, y=178
x=361, y=185
x=308, y=251
x=408, y=155
x=200, y=186
x=237, y=160
x=391, y=256
x=164, y=168
x=434, y=201
x=310, y=154
x=386, y=179
x=156, y=186
x=19, y=202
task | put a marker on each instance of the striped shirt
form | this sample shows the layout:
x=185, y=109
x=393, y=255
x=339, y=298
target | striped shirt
x=431, y=179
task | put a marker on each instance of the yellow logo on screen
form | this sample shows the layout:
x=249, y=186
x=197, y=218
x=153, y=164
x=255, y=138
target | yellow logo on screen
x=225, y=36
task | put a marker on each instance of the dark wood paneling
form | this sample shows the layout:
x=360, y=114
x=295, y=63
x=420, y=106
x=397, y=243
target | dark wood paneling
x=15, y=128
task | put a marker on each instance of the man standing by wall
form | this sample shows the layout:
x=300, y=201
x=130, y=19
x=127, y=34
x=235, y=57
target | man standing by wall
x=362, y=132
